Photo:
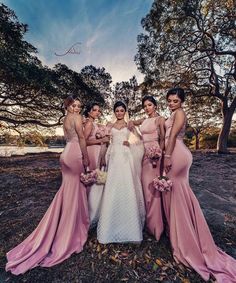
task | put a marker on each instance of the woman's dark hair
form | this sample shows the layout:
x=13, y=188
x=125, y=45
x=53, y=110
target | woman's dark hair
x=88, y=108
x=176, y=91
x=70, y=99
x=149, y=98
x=118, y=104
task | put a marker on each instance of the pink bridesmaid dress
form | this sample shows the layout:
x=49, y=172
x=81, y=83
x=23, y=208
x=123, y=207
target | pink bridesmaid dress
x=93, y=150
x=64, y=227
x=152, y=197
x=190, y=237
x=95, y=191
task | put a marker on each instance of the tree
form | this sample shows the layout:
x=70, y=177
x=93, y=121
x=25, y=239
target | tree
x=130, y=94
x=26, y=91
x=30, y=93
x=192, y=43
x=67, y=81
x=201, y=120
x=98, y=80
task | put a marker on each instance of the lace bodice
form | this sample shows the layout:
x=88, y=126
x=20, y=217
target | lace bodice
x=119, y=136
x=169, y=124
x=70, y=132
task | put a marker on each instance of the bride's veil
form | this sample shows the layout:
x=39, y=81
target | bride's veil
x=136, y=144
x=137, y=151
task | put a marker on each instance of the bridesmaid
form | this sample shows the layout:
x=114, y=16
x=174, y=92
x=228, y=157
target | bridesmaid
x=94, y=147
x=64, y=227
x=153, y=133
x=190, y=237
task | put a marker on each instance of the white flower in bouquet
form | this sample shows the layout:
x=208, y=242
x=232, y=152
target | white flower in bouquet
x=101, y=177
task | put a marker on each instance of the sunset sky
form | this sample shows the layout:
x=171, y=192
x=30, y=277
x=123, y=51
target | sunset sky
x=106, y=29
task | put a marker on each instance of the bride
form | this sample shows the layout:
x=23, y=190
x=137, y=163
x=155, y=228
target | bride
x=122, y=210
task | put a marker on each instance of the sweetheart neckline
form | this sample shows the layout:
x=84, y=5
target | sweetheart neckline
x=120, y=128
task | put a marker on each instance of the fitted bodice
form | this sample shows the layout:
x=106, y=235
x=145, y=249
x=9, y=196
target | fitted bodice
x=169, y=124
x=149, y=130
x=92, y=135
x=70, y=133
x=119, y=136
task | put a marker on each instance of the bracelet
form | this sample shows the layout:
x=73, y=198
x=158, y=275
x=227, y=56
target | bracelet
x=167, y=156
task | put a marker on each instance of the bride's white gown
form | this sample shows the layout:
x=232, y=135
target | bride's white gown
x=122, y=212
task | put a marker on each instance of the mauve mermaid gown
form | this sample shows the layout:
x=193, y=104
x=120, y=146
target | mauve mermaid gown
x=190, y=237
x=64, y=227
x=95, y=191
x=152, y=197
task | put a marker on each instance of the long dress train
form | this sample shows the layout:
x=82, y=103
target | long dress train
x=152, y=197
x=122, y=211
x=95, y=191
x=190, y=237
x=64, y=227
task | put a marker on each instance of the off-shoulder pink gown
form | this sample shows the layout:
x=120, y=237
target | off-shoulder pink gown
x=152, y=197
x=95, y=191
x=64, y=227
x=190, y=237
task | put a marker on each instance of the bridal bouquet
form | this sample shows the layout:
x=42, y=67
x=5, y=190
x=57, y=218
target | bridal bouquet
x=162, y=184
x=101, y=177
x=153, y=153
x=89, y=178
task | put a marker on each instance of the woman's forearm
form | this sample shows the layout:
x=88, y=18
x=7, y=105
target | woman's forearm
x=94, y=142
x=83, y=147
x=138, y=122
x=162, y=143
x=170, y=145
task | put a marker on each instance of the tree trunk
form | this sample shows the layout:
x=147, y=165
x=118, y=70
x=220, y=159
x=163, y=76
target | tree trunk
x=197, y=141
x=225, y=130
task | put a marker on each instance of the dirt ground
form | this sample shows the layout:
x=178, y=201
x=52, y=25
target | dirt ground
x=29, y=183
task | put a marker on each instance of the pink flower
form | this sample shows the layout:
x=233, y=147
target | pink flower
x=101, y=132
x=153, y=153
x=162, y=184
x=88, y=178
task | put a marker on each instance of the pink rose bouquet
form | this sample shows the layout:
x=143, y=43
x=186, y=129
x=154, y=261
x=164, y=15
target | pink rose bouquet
x=89, y=178
x=101, y=132
x=162, y=184
x=153, y=153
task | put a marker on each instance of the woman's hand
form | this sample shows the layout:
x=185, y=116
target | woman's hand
x=126, y=143
x=84, y=120
x=167, y=164
x=85, y=161
x=106, y=139
x=130, y=125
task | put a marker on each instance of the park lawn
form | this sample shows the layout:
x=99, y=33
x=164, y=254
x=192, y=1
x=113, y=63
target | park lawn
x=29, y=183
